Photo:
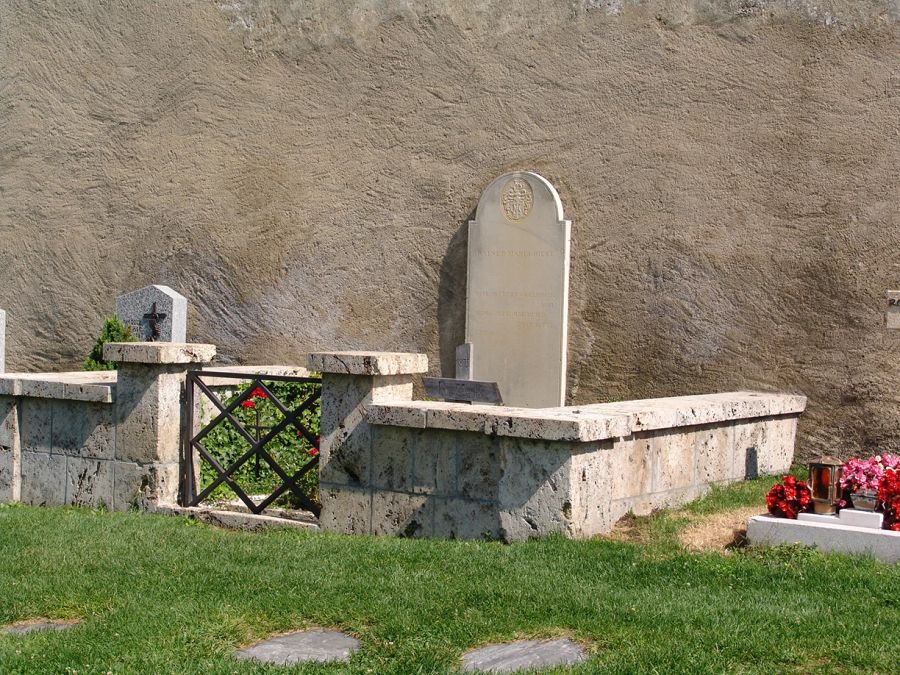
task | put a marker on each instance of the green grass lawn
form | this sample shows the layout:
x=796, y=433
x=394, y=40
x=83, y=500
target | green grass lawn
x=166, y=595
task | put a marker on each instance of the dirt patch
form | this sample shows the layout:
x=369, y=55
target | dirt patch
x=717, y=531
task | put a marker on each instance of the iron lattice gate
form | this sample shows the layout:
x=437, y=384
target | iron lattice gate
x=240, y=443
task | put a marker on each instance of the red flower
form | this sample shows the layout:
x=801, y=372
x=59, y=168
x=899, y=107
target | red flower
x=889, y=495
x=313, y=452
x=258, y=393
x=788, y=498
x=248, y=403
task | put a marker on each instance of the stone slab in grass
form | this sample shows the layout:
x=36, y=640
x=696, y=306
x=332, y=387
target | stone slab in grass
x=308, y=645
x=25, y=627
x=518, y=656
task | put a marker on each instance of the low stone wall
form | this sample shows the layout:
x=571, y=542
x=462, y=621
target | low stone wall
x=391, y=465
x=90, y=439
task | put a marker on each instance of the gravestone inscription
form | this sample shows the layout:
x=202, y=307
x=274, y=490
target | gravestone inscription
x=154, y=313
x=2, y=341
x=518, y=290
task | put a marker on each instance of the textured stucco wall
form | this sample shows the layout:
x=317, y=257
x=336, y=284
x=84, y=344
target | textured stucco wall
x=303, y=172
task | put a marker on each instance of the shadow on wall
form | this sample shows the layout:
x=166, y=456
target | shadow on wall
x=451, y=305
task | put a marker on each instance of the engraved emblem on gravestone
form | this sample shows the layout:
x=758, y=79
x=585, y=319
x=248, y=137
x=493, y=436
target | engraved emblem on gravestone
x=517, y=200
x=153, y=319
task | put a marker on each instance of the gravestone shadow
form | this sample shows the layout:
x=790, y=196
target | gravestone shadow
x=451, y=306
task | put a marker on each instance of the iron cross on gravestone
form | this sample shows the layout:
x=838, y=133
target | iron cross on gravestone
x=153, y=319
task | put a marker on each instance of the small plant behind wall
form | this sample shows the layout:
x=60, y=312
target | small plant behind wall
x=113, y=331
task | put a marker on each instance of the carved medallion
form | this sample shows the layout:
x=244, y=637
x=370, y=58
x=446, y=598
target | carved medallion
x=517, y=200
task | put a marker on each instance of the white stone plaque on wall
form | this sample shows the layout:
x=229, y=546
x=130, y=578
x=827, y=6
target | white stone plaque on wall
x=893, y=310
x=2, y=341
x=518, y=290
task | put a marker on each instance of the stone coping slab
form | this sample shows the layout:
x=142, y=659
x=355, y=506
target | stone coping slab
x=91, y=386
x=316, y=645
x=585, y=423
x=250, y=371
x=768, y=530
x=684, y=411
x=530, y=655
x=368, y=363
x=158, y=352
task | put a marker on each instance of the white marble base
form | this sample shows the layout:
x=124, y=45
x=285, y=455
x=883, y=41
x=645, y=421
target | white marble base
x=832, y=537
x=860, y=518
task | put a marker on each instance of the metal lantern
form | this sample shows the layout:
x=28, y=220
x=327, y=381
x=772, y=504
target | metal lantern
x=825, y=484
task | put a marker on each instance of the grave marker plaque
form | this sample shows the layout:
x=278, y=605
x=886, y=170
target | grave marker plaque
x=154, y=313
x=518, y=290
x=893, y=310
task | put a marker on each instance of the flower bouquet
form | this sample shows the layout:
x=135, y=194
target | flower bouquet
x=788, y=498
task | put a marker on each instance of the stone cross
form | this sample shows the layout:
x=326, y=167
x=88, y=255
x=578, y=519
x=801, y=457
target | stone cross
x=518, y=290
x=2, y=341
x=154, y=313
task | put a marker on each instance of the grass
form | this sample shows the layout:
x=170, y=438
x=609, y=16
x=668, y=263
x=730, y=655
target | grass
x=166, y=595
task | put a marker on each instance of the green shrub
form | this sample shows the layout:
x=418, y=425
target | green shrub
x=113, y=331
x=289, y=448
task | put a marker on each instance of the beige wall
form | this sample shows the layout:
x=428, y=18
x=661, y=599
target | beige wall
x=302, y=172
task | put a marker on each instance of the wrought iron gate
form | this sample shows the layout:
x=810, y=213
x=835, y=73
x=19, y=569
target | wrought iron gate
x=238, y=443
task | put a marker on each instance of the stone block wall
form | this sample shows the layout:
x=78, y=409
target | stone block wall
x=97, y=439
x=391, y=465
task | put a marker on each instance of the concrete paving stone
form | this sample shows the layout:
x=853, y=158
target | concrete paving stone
x=519, y=656
x=308, y=645
x=26, y=627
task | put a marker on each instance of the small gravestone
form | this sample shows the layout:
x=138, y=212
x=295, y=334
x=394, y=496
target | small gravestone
x=518, y=290
x=2, y=341
x=154, y=313
x=309, y=645
x=893, y=310
x=528, y=655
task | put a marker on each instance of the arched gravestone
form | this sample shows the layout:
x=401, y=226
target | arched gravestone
x=517, y=292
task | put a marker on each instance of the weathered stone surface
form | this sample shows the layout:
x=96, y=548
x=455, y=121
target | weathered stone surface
x=83, y=430
x=89, y=482
x=368, y=363
x=713, y=453
x=479, y=467
x=772, y=531
x=36, y=424
x=435, y=462
x=345, y=509
x=673, y=452
x=392, y=459
x=44, y=479
x=158, y=352
x=528, y=655
x=399, y=514
x=10, y=451
x=517, y=290
x=133, y=309
x=2, y=341
x=315, y=645
x=465, y=519
x=681, y=411
x=144, y=486
x=776, y=445
x=96, y=386
x=148, y=423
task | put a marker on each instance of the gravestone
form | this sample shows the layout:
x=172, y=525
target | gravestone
x=518, y=290
x=2, y=341
x=893, y=310
x=155, y=314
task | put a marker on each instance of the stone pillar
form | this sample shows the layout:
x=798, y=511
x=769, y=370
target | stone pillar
x=10, y=451
x=151, y=376
x=351, y=381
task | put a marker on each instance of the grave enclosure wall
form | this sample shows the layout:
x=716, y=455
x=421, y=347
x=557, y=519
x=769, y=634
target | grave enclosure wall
x=391, y=465
x=101, y=438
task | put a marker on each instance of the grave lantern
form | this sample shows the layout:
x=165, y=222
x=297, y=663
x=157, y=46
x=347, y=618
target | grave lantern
x=825, y=484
